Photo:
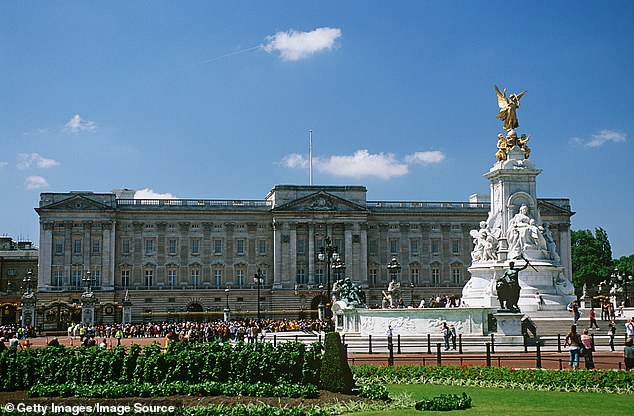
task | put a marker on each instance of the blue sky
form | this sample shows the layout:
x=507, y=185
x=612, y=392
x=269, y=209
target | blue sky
x=215, y=100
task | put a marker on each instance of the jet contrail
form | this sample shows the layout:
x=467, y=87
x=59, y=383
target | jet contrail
x=233, y=53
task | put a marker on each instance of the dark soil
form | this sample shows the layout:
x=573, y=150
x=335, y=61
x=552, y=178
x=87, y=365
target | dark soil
x=325, y=397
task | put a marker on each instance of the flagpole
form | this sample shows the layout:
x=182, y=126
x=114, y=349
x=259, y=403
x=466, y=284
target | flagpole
x=310, y=159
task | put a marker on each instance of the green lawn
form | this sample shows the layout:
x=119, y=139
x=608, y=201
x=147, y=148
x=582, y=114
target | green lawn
x=499, y=402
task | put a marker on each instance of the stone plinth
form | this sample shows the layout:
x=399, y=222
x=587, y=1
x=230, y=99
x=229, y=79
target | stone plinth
x=509, y=323
x=414, y=322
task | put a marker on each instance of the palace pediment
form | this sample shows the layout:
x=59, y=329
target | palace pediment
x=320, y=202
x=76, y=202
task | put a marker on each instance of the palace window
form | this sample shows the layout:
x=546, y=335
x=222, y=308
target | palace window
x=217, y=246
x=149, y=246
x=240, y=277
x=373, y=277
x=149, y=278
x=413, y=247
x=373, y=247
x=300, y=246
x=240, y=247
x=415, y=275
x=435, y=275
x=172, y=246
x=196, y=277
x=172, y=277
x=435, y=247
x=59, y=246
x=125, y=278
x=393, y=246
x=262, y=247
x=77, y=246
x=96, y=246
x=125, y=246
x=301, y=276
x=218, y=277
x=455, y=247
x=195, y=246
x=456, y=275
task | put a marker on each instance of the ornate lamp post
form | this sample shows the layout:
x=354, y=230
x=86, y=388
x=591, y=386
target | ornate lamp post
x=227, y=310
x=87, y=279
x=321, y=308
x=394, y=268
x=259, y=280
x=621, y=280
x=28, y=301
x=338, y=266
x=411, y=286
x=88, y=300
x=326, y=253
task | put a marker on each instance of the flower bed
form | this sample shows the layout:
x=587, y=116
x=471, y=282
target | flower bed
x=605, y=381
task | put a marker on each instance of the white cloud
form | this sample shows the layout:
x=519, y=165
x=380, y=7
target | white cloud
x=3, y=164
x=35, y=182
x=294, y=45
x=425, y=158
x=29, y=160
x=76, y=125
x=295, y=160
x=600, y=138
x=150, y=194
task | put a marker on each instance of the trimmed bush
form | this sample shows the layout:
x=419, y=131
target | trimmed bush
x=335, y=375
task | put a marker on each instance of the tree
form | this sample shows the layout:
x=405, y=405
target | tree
x=591, y=257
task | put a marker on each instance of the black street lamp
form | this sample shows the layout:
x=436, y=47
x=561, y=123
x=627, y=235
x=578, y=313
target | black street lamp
x=321, y=312
x=327, y=253
x=620, y=279
x=411, y=286
x=28, y=281
x=227, y=310
x=394, y=268
x=259, y=280
x=87, y=279
x=338, y=266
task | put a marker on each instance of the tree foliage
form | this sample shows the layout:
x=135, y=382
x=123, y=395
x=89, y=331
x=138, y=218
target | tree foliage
x=591, y=257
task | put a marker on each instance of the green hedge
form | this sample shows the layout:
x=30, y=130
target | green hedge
x=290, y=362
x=605, y=381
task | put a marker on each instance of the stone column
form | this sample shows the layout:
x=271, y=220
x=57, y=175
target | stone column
x=45, y=253
x=277, y=254
x=108, y=272
x=351, y=269
x=363, y=255
x=293, y=253
x=311, y=253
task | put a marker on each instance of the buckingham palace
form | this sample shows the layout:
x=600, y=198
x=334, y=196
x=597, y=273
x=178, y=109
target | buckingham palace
x=189, y=259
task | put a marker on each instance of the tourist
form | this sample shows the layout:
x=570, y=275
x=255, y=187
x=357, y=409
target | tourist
x=611, y=334
x=588, y=349
x=53, y=343
x=573, y=343
x=629, y=328
x=452, y=331
x=539, y=300
x=593, y=319
x=103, y=345
x=574, y=308
x=3, y=346
x=14, y=342
x=628, y=354
x=605, y=314
x=446, y=333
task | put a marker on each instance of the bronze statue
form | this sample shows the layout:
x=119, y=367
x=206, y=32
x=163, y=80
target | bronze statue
x=508, y=108
x=508, y=287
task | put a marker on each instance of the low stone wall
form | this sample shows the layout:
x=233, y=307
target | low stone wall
x=473, y=321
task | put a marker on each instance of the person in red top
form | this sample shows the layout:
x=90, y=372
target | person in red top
x=593, y=319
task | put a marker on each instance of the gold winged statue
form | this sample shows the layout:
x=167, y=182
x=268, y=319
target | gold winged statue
x=508, y=108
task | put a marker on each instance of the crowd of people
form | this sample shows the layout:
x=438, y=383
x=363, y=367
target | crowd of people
x=195, y=331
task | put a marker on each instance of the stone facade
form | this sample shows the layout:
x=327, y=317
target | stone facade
x=175, y=258
x=17, y=259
